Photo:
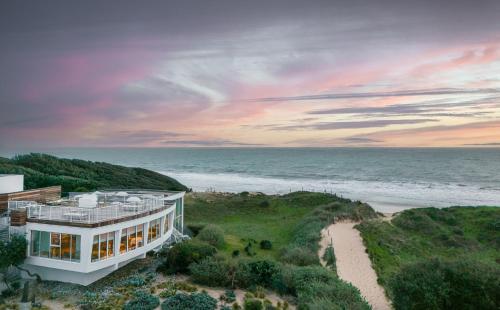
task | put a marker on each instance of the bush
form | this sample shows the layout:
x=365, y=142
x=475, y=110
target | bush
x=171, y=291
x=437, y=284
x=256, y=273
x=236, y=253
x=142, y=301
x=186, y=287
x=264, y=204
x=228, y=297
x=181, y=255
x=266, y=245
x=252, y=304
x=329, y=258
x=315, y=287
x=195, y=301
x=195, y=228
x=249, y=250
x=134, y=281
x=213, y=235
x=299, y=256
x=211, y=271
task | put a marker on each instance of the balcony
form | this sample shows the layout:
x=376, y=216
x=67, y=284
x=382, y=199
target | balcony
x=94, y=209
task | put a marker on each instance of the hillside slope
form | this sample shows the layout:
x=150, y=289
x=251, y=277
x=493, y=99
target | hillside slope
x=79, y=175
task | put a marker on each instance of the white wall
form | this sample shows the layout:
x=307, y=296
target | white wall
x=10, y=183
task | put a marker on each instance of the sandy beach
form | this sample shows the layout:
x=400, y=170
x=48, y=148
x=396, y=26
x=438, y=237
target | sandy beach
x=353, y=263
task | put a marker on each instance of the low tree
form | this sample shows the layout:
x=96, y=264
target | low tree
x=13, y=254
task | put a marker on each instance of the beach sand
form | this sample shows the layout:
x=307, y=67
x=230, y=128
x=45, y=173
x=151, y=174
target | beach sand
x=353, y=263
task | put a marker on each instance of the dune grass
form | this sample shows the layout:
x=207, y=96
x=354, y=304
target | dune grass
x=456, y=233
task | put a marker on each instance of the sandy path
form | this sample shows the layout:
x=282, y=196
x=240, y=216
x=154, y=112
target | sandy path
x=353, y=264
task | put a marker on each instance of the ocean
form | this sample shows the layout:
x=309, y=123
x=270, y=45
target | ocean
x=390, y=179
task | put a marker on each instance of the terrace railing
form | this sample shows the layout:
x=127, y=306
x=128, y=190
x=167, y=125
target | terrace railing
x=74, y=214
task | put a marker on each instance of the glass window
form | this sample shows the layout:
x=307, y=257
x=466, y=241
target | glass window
x=111, y=244
x=131, y=238
x=140, y=241
x=123, y=241
x=103, y=246
x=75, y=248
x=95, y=248
x=154, y=230
x=66, y=246
x=55, y=245
x=35, y=243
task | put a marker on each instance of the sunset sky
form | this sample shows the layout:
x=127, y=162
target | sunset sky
x=250, y=73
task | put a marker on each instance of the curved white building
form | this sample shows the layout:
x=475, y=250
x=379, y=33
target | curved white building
x=85, y=237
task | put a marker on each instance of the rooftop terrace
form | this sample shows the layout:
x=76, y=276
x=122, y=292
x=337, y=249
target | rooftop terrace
x=97, y=208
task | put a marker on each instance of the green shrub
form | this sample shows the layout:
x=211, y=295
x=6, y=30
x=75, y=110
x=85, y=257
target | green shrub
x=236, y=253
x=249, y=250
x=437, y=284
x=213, y=235
x=256, y=273
x=228, y=297
x=171, y=291
x=299, y=256
x=186, y=287
x=313, y=285
x=134, y=281
x=195, y=301
x=142, y=301
x=195, y=228
x=264, y=204
x=329, y=257
x=252, y=304
x=266, y=245
x=181, y=255
x=211, y=271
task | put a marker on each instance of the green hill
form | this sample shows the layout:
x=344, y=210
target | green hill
x=42, y=170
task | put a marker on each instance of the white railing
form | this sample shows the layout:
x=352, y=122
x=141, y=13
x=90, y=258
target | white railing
x=75, y=214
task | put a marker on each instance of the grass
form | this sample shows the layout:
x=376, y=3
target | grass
x=245, y=217
x=417, y=234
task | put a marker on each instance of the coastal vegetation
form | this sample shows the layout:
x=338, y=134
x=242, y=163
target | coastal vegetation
x=438, y=258
x=41, y=170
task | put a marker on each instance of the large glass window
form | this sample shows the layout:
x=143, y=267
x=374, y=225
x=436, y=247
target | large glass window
x=166, y=225
x=75, y=248
x=35, y=243
x=55, y=245
x=66, y=246
x=154, y=230
x=132, y=238
x=103, y=246
x=111, y=244
x=95, y=248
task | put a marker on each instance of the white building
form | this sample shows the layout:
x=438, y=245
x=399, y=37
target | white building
x=87, y=236
x=11, y=183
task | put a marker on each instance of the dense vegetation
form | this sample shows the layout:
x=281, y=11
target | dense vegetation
x=438, y=258
x=42, y=170
x=250, y=218
x=267, y=242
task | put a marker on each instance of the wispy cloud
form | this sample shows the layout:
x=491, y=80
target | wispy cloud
x=352, y=124
x=403, y=93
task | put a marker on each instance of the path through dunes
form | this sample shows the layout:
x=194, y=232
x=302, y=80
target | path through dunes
x=353, y=264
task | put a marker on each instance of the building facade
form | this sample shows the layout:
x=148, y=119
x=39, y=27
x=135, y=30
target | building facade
x=85, y=237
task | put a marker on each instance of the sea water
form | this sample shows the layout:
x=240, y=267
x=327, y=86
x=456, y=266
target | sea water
x=390, y=179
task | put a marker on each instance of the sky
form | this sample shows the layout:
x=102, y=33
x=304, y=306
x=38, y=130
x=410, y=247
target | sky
x=250, y=73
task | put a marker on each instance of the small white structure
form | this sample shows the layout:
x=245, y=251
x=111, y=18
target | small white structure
x=11, y=183
x=86, y=237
